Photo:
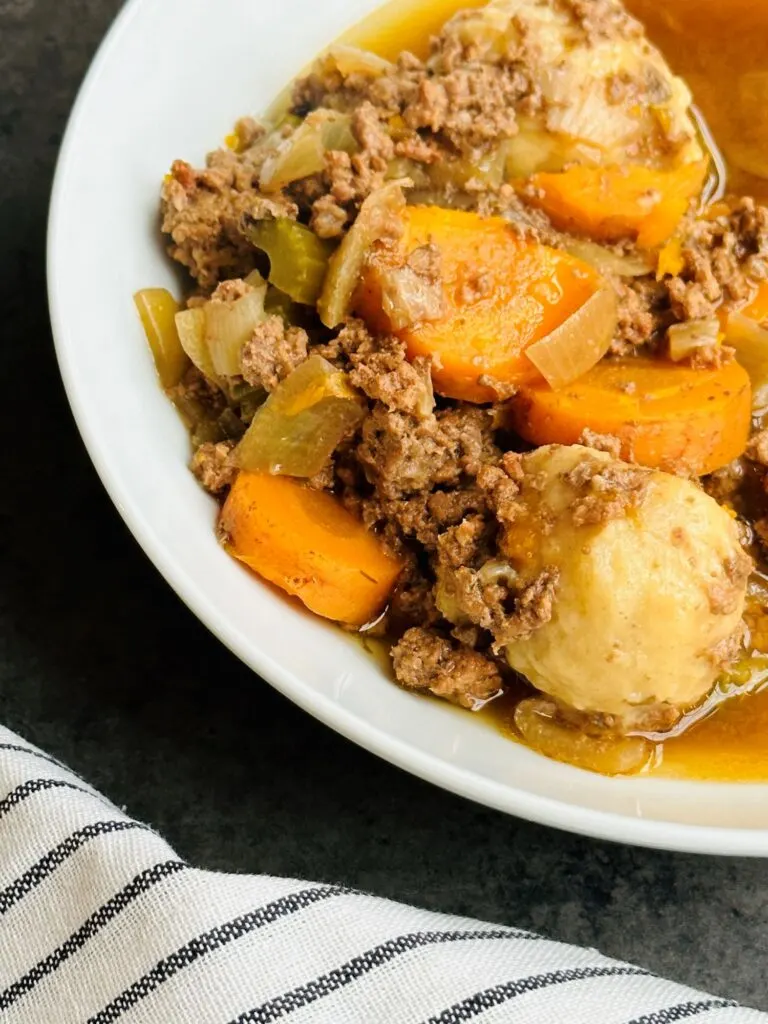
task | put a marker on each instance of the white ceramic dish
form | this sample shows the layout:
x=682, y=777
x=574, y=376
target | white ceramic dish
x=169, y=81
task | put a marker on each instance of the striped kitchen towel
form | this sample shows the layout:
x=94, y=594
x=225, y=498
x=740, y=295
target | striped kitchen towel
x=100, y=921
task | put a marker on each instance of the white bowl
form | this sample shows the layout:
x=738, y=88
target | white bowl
x=169, y=81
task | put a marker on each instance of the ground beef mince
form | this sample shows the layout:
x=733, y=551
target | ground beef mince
x=725, y=257
x=213, y=467
x=202, y=213
x=272, y=351
x=425, y=660
x=402, y=455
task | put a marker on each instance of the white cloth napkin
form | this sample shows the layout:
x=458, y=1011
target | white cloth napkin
x=100, y=921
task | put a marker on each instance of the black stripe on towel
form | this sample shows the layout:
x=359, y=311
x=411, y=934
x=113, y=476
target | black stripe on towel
x=18, y=748
x=499, y=994
x=361, y=965
x=208, y=942
x=18, y=795
x=142, y=883
x=55, y=857
x=682, y=1011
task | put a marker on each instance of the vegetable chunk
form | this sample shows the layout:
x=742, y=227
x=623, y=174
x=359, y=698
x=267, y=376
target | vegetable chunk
x=665, y=415
x=305, y=542
x=613, y=203
x=297, y=429
x=157, y=309
x=501, y=293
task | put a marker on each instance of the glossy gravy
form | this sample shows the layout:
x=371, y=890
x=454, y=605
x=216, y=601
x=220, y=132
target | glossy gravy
x=721, y=49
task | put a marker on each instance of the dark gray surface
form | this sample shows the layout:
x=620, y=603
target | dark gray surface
x=102, y=665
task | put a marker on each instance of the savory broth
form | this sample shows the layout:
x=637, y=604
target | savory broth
x=721, y=49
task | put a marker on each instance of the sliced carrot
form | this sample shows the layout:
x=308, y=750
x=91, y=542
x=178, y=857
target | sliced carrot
x=613, y=203
x=500, y=294
x=308, y=544
x=667, y=416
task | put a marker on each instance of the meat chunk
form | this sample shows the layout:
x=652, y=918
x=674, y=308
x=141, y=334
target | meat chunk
x=212, y=466
x=639, y=300
x=202, y=212
x=272, y=352
x=424, y=660
x=379, y=367
x=724, y=258
x=605, y=491
x=328, y=218
x=491, y=597
x=402, y=456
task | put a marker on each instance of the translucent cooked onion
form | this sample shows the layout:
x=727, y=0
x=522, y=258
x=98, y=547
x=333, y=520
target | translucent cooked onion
x=297, y=429
x=533, y=150
x=402, y=167
x=228, y=325
x=408, y=298
x=579, y=342
x=536, y=722
x=488, y=168
x=607, y=261
x=351, y=60
x=578, y=109
x=684, y=339
x=190, y=324
x=303, y=152
x=751, y=343
x=377, y=218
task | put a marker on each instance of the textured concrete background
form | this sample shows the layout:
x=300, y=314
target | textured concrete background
x=101, y=664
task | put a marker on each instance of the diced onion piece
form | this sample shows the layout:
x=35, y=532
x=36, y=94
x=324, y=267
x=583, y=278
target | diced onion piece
x=157, y=309
x=751, y=343
x=578, y=109
x=408, y=298
x=579, y=342
x=298, y=259
x=533, y=150
x=337, y=133
x=190, y=324
x=535, y=721
x=685, y=338
x=351, y=60
x=402, y=167
x=490, y=169
x=607, y=261
x=297, y=429
x=303, y=152
x=228, y=325
x=373, y=221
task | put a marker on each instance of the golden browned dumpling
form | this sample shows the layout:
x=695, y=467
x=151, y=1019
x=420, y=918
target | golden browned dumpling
x=651, y=589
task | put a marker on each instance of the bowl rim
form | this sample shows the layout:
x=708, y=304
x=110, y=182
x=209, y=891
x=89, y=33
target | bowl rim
x=597, y=824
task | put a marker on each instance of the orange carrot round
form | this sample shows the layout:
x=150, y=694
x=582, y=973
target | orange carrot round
x=613, y=203
x=501, y=293
x=668, y=416
x=305, y=542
